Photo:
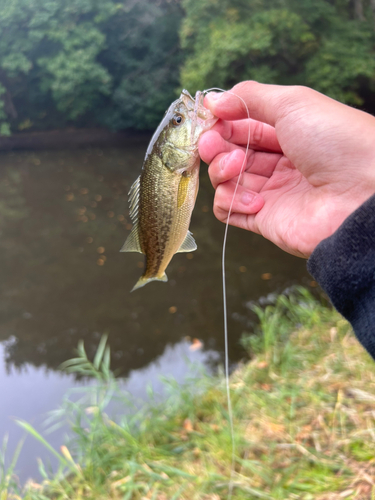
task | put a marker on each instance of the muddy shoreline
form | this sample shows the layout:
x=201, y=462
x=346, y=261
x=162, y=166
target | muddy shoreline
x=69, y=139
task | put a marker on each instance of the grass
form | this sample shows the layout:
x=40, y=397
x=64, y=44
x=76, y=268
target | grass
x=304, y=419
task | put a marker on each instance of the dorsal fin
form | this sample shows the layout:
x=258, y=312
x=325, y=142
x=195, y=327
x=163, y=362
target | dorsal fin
x=134, y=200
x=188, y=245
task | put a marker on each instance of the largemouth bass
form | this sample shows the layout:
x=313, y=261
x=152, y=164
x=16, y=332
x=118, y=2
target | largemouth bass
x=163, y=197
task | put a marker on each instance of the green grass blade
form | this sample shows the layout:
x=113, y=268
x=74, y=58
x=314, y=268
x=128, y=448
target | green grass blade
x=100, y=352
x=28, y=428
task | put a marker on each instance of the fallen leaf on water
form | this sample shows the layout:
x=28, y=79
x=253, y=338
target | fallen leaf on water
x=266, y=276
x=100, y=249
x=84, y=191
x=89, y=239
x=172, y=309
x=69, y=197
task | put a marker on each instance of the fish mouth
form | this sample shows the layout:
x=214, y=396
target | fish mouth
x=201, y=117
x=196, y=104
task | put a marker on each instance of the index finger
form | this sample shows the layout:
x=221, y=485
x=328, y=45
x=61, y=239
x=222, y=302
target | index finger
x=258, y=135
x=262, y=102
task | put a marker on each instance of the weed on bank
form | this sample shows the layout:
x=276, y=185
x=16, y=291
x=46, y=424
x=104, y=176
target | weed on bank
x=304, y=420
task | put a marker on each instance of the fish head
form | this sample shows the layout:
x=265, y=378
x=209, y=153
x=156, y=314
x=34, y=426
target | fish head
x=187, y=120
x=176, y=138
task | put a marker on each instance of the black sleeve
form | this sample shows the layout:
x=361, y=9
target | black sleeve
x=344, y=266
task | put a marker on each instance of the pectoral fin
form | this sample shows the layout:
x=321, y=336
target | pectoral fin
x=183, y=189
x=188, y=244
x=132, y=244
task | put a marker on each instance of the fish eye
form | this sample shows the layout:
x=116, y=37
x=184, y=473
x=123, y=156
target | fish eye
x=177, y=120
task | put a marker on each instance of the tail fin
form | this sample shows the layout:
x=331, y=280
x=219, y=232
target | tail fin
x=143, y=281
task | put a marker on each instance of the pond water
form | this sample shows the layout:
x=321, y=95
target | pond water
x=63, y=218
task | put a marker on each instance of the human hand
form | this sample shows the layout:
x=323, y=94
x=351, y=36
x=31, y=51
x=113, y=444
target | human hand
x=311, y=162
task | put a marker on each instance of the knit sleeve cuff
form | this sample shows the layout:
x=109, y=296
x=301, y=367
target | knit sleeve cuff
x=344, y=266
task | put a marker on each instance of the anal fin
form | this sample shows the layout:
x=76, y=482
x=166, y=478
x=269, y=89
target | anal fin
x=132, y=243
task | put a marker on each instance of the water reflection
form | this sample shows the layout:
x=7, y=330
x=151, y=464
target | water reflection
x=63, y=219
x=30, y=393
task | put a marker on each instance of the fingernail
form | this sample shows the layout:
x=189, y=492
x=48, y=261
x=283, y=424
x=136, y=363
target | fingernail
x=214, y=96
x=225, y=159
x=247, y=198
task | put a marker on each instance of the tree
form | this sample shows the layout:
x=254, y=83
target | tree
x=328, y=45
x=144, y=59
x=51, y=47
x=87, y=62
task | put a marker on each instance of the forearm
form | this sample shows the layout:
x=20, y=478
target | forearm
x=344, y=266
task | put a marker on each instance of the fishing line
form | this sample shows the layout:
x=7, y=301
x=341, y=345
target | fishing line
x=229, y=403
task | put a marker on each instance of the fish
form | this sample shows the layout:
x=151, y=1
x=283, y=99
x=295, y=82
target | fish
x=162, y=198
